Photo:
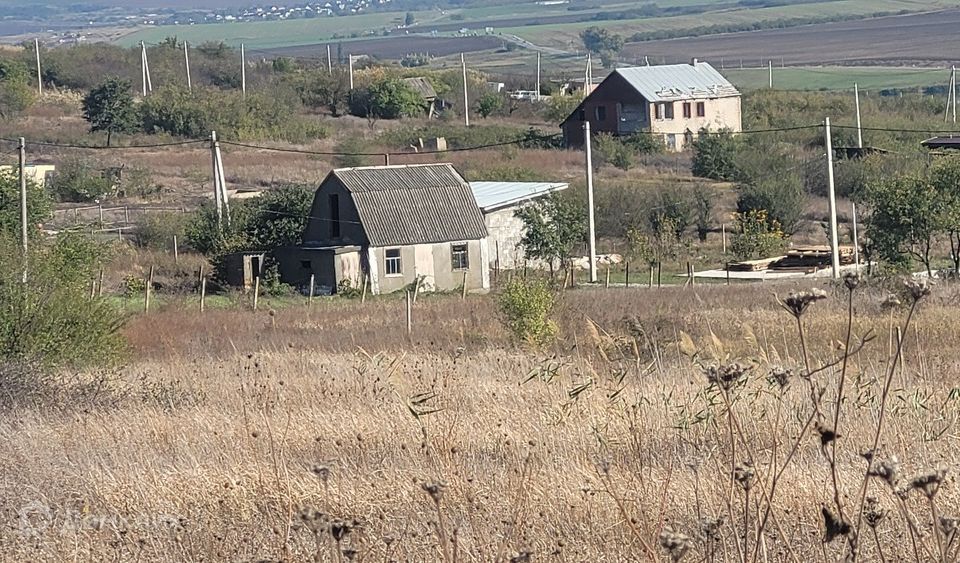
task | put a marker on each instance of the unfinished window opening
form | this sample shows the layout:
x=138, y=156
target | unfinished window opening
x=306, y=265
x=668, y=110
x=391, y=262
x=701, y=109
x=687, y=113
x=460, y=257
x=601, y=113
x=334, y=216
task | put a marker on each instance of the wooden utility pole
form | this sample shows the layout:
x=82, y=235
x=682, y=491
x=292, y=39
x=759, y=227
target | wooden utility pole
x=329, y=61
x=186, y=60
x=243, y=69
x=409, y=314
x=834, y=244
x=24, y=228
x=466, y=101
x=36, y=45
x=591, y=226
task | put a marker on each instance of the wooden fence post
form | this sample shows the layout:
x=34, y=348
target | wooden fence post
x=256, y=292
x=146, y=292
x=126, y=214
x=728, y=273
x=100, y=283
x=363, y=291
x=176, y=251
x=463, y=295
x=650, y=283
x=659, y=274
x=606, y=281
x=723, y=235
x=626, y=270
x=693, y=274
x=100, y=208
x=203, y=291
x=409, y=314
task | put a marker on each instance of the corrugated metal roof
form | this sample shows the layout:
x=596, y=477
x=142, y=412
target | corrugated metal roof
x=421, y=86
x=415, y=204
x=496, y=195
x=663, y=83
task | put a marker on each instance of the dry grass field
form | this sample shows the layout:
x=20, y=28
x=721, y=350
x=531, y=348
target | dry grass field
x=327, y=434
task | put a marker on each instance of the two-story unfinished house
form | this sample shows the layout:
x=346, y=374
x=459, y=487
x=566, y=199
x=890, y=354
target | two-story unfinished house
x=672, y=101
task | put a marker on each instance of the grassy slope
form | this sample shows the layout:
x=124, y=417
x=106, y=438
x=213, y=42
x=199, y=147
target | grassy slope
x=839, y=78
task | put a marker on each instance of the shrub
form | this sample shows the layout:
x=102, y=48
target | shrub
x=643, y=143
x=608, y=149
x=782, y=198
x=38, y=205
x=489, y=104
x=525, y=308
x=389, y=98
x=158, y=229
x=757, y=236
x=80, y=180
x=51, y=320
x=715, y=156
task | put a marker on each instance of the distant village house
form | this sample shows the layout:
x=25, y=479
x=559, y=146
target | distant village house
x=674, y=102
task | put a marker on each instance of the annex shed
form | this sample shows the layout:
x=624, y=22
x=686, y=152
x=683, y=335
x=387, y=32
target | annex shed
x=499, y=202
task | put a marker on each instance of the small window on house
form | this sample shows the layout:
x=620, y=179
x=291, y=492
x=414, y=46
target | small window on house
x=601, y=113
x=658, y=111
x=668, y=110
x=582, y=115
x=306, y=265
x=460, y=258
x=391, y=262
x=701, y=109
x=687, y=114
x=334, y=216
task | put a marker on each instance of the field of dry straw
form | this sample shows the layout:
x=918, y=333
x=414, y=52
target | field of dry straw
x=681, y=424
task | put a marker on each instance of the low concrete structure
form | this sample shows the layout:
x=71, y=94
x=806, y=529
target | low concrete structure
x=499, y=202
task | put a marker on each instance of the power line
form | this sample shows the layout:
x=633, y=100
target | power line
x=102, y=148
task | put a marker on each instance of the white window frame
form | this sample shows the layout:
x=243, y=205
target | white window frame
x=466, y=256
x=387, y=260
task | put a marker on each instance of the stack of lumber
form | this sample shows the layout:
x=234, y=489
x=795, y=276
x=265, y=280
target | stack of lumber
x=754, y=265
x=804, y=257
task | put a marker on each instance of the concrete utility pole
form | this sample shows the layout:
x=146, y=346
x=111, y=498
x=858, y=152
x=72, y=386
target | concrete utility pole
x=853, y=206
x=36, y=45
x=951, y=96
x=24, y=228
x=770, y=74
x=834, y=244
x=538, y=76
x=466, y=100
x=329, y=61
x=243, y=69
x=350, y=63
x=186, y=60
x=591, y=226
x=143, y=69
x=217, y=196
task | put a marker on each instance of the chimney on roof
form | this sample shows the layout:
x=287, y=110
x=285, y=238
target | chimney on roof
x=694, y=61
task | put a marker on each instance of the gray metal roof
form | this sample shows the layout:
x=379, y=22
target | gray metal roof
x=664, y=83
x=421, y=86
x=497, y=195
x=415, y=204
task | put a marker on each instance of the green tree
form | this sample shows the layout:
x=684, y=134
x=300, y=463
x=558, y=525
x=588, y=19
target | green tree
x=39, y=207
x=525, y=309
x=109, y=107
x=715, y=156
x=757, y=236
x=489, y=104
x=409, y=19
x=600, y=40
x=906, y=215
x=553, y=228
x=389, y=98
